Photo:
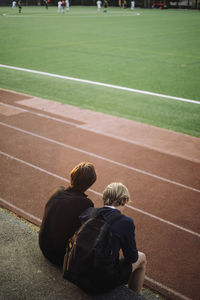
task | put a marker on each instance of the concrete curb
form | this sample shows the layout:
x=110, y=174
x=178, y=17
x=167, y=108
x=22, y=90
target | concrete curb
x=26, y=274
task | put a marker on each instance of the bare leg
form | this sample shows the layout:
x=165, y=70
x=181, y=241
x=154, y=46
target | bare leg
x=136, y=279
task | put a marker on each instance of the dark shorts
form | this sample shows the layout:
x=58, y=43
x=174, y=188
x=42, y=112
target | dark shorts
x=122, y=273
x=101, y=283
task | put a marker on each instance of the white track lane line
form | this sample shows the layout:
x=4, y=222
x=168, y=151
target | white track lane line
x=100, y=194
x=40, y=114
x=119, y=138
x=100, y=84
x=163, y=220
x=101, y=157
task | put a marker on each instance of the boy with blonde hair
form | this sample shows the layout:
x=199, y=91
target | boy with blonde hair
x=130, y=269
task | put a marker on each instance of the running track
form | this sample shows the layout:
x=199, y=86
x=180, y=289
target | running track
x=39, y=147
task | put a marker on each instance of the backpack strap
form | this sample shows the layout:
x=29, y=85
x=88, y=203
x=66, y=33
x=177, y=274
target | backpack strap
x=115, y=215
x=93, y=212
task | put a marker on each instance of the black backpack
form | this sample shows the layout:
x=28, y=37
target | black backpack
x=89, y=250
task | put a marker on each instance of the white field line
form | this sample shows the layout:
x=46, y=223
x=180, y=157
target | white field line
x=169, y=290
x=119, y=138
x=99, y=84
x=99, y=194
x=56, y=15
x=101, y=157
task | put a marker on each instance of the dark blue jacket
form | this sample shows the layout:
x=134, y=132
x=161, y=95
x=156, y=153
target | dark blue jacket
x=123, y=237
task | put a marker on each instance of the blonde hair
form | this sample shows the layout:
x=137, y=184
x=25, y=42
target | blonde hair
x=116, y=194
x=83, y=176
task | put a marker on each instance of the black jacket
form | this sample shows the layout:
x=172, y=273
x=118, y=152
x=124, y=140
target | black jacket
x=60, y=221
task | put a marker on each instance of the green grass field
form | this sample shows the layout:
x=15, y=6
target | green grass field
x=150, y=50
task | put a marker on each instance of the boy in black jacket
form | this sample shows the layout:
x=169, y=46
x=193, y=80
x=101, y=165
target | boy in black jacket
x=61, y=214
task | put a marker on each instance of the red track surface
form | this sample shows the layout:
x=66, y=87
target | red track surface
x=37, y=154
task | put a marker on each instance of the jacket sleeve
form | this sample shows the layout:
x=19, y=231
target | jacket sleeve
x=127, y=239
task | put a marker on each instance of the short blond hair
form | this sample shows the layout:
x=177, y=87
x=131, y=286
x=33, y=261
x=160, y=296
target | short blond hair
x=116, y=194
